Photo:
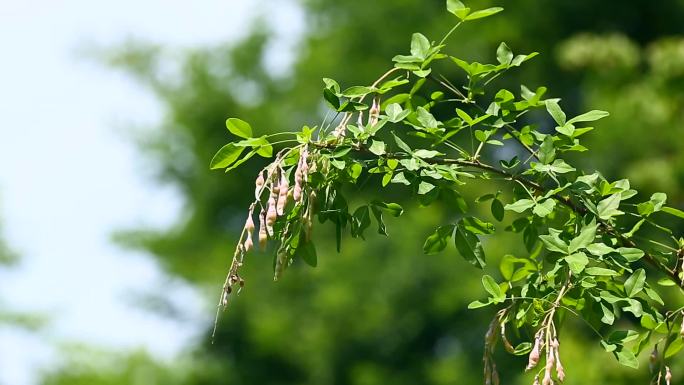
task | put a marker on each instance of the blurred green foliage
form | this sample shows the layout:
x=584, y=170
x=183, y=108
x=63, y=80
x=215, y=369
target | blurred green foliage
x=381, y=311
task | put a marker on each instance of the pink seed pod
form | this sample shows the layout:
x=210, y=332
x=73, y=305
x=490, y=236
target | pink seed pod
x=374, y=113
x=271, y=215
x=259, y=185
x=681, y=328
x=263, y=235
x=359, y=121
x=534, y=354
x=249, y=223
x=668, y=375
x=249, y=244
x=536, y=380
x=282, y=196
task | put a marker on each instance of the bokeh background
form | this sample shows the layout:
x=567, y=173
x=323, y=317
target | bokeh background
x=116, y=236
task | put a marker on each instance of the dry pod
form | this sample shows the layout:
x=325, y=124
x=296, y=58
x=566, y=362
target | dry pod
x=271, y=215
x=282, y=194
x=259, y=185
x=263, y=235
x=533, y=359
x=668, y=375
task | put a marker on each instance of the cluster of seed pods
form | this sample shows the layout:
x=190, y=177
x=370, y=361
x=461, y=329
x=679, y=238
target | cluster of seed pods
x=543, y=340
x=373, y=118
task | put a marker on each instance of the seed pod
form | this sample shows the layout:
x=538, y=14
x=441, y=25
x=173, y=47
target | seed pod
x=259, y=185
x=282, y=196
x=668, y=375
x=263, y=235
x=374, y=113
x=271, y=215
x=536, y=380
x=249, y=223
x=249, y=244
x=681, y=328
x=359, y=121
x=547, y=380
x=533, y=359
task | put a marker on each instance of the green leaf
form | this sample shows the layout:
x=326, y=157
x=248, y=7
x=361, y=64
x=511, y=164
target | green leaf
x=425, y=187
x=601, y=271
x=635, y=283
x=589, y=116
x=226, y=156
x=608, y=208
x=420, y=45
x=627, y=358
x=478, y=304
x=483, y=13
x=239, y=127
x=357, y=91
x=674, y=347
x=577, y=262
x=585, y=237
x=437, y=241
x=552, y=242
x=426, y=154
x=360, y=221
x=402, y=145
x=497, y=209
x=457, y=8
x=520, y=205
x=666, y=282
x=395, y=113
x=469, y=246
x=307, y=252
x=600, y=249
x=544, y=208
x=241, y=161
x=493, y=288
x=504, y=54
x=555, y=111
x=377, y=147
x=674, y=211
x=464, y=115
x=393, y=208
x=477, y=226
x=631, y=254
x=608, y=316
x=547, y=152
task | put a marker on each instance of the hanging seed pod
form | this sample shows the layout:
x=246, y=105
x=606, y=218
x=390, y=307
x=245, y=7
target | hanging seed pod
x=507, y=345
x=263, y=235
x=668, y=375
x=259, y=185
x=536, y=380
x=560, y=371
x=249, y=244
x=547, y=380
x=282, y=195
x=681, y=328
x=359, y=121
x=374, y=113
x=271, y=215
x=533, y=359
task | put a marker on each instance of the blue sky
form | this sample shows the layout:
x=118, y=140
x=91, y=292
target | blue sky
x=69, y=175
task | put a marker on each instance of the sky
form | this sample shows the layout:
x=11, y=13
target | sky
x=70, y=176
